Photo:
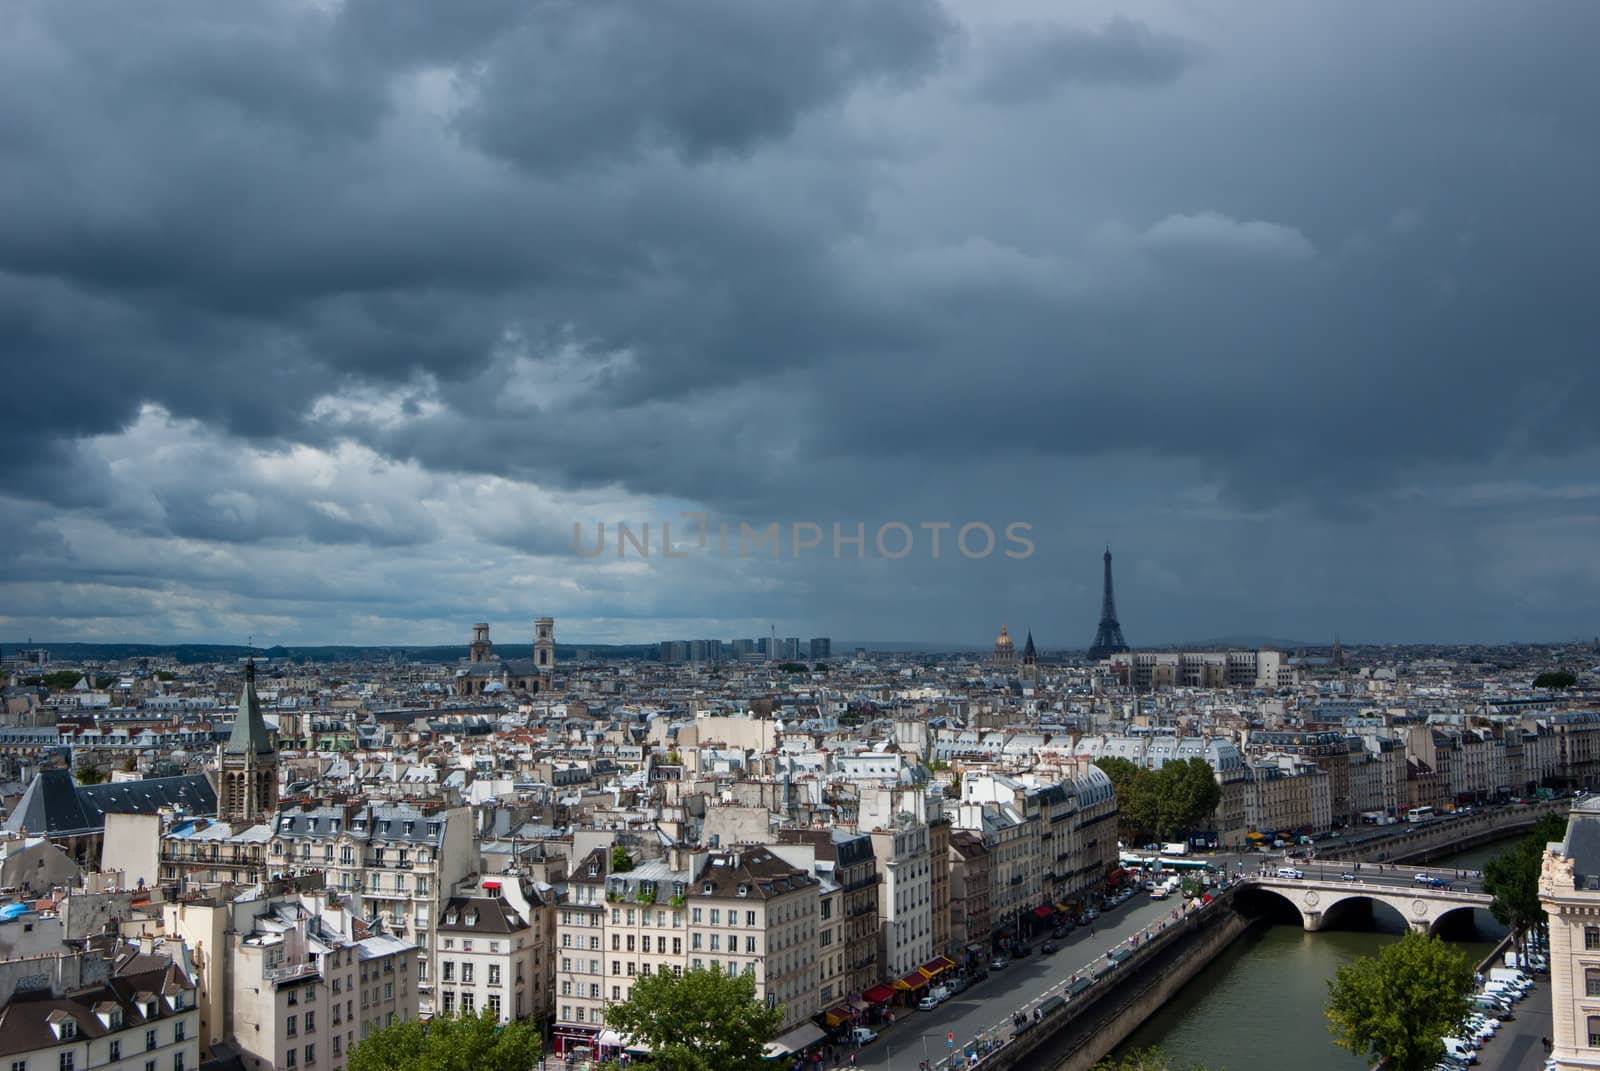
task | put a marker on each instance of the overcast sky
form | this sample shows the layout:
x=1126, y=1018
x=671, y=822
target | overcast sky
x=327, y=321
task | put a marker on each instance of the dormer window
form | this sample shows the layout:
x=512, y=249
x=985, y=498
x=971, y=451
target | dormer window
x=706, y=888
x=472, y=918
x=433, y=829
x=65, y=1028
x=359, y=825
x=453, y=918
x=744, y=890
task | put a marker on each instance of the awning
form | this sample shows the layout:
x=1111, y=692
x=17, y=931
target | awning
x=912, y=981
x=1044, y=911
x=611, y=1039
x=1064, y=908
x=878, y=994
x=839, y=1016
x=795, y=1040
x=937, y=966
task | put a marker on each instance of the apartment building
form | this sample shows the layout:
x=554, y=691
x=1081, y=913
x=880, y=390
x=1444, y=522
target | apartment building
x=579, y=954
x=754, y=913
x=128, y=1008
x=492, y=951
x=1015, y=865
x=1288, y=796
x=292, y=976
x=1327, y=748
x=905, y=895
x=401, y=859
x=848, y=858
x=939, y=829
x=970, y=920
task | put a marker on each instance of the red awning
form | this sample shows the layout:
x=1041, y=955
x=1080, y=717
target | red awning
x=1044, y=911
x=878, y=994
x=936, y=966
x=914, y=980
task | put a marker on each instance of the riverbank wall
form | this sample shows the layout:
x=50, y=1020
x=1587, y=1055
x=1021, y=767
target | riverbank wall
x=1447, y=836
x=1096, y=1021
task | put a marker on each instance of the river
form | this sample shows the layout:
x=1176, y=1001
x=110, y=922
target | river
x=1262, y=999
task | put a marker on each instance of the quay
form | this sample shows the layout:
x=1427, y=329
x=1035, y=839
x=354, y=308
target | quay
x=1087, y=1006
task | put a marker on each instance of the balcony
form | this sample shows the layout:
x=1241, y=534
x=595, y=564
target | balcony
x=289, y=972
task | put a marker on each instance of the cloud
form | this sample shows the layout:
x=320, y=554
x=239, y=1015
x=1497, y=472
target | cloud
x=1213, y=234
x=1027, y=62
x=336, y=314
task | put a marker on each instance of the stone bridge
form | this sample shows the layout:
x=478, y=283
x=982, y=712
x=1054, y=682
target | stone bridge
x=1421, y=906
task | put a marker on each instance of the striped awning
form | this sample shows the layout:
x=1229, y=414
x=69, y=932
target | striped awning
x=937, y=966
x=839, y=1016
x=914, y=980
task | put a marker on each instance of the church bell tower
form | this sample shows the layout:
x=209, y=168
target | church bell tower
x=247, y=781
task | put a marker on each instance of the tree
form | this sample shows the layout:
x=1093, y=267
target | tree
x=702, y=1021
x=165, y=675
x=447, y=1043
x=1141, y=1060
x=621, y=861
x=1168, y=803
x=61, y=679
x=90, y=775
x=1512, y=878
x=1396, y=1007
x=1558, y=678
x=794, y=667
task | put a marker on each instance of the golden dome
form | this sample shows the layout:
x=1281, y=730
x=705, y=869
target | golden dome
x=1004, y=639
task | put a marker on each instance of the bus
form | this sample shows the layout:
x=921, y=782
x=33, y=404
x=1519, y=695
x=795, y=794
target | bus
x=1419, y=814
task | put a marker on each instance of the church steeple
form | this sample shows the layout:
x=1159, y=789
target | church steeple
x=247, y=778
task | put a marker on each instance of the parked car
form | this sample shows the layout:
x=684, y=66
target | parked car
x=863, y=1036
x=999, y=963
x=1049, y=947
x=927, y=1003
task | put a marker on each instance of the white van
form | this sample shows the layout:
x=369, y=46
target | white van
x=1290, y=872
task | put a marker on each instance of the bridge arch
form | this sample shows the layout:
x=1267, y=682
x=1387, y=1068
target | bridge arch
x=1454, y=920
x=1259, y=900
x=1383, y=910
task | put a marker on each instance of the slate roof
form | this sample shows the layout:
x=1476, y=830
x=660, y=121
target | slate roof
x=56, y=805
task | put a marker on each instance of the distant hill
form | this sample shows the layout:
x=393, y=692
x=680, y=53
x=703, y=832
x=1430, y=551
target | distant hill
x=193, y=653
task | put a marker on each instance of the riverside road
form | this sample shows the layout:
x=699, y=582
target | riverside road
x=985, y=1009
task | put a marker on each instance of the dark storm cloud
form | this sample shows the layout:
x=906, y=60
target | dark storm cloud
x=576, y=83
x=1030, y=61
x=394, y=264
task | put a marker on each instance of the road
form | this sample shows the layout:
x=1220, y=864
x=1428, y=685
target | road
x=987, y=1007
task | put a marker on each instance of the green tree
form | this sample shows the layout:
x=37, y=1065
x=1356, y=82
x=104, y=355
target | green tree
x=61, y=679
x=1141, y=1060
x=165, y=675
x=447, y=1043
x=1512, y=878
x=90, y=775
x=1558, y=678
x=1136, y=814
x=621, y=861
x=1396, y=1007
x=1185, y=794
x=794, y=667
x=702, y=1021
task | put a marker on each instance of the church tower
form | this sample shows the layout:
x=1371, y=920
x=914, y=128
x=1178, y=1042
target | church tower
x=544, y=650
x=1030, y=659
x=247, y=783
x=480, y=644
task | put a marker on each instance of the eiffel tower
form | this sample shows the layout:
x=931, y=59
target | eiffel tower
x=1108, y=637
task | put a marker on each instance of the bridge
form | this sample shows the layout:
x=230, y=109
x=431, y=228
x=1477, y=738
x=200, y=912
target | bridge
x=1326, y=891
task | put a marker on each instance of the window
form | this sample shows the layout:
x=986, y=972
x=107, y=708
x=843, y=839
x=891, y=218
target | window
x=291, y=1058
x=311, y=1021
x=19, y=1065
x=65, y=1063
x=177, y=1030
x=494, y=1004
x=311, y=1055
x=467, y=1000
x=749, y=918
x=177, y=1061
x=1591, y=981
x=1591, y=938
x=494, y=974
x=149, y=1040
x=116, y=1051
x=292, y=1027
x=466, y=974
x=1594, y=1031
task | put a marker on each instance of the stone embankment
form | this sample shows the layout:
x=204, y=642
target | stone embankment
x=1446, y=836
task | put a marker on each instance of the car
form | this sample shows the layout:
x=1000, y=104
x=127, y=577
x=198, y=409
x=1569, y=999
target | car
x=1347, y=876
x=999, y=963
x=927, y=1004
x=1290, y=872
x=863, y=1036
x=1091, y=915
x=1423, y=879
x=1049, y=947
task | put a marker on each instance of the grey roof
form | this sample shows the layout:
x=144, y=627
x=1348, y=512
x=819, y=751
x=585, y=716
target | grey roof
x=250, y=733
x=56, y=805
x=1582, y=845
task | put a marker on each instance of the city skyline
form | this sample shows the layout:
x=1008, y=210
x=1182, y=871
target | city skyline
x=341, y=335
